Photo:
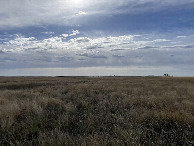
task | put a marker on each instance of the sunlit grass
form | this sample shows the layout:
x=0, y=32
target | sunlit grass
x=96, y=111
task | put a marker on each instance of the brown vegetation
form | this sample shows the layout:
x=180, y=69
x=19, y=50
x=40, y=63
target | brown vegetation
x=96, y=111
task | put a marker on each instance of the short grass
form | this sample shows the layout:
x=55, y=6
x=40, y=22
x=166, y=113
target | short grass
x=96, y=111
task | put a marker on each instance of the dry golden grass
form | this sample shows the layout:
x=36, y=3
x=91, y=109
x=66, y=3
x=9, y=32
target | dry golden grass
x=96, y=111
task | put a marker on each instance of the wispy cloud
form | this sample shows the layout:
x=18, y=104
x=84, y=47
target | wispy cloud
x=23, y=13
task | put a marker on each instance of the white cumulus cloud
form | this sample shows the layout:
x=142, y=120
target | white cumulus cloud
x=74, y=32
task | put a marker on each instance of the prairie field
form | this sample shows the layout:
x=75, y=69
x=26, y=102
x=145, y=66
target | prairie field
x=96, y=111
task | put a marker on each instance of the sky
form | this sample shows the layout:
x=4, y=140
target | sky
x=96, y=38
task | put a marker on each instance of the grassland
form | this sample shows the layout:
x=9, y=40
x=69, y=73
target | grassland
x=96, y=111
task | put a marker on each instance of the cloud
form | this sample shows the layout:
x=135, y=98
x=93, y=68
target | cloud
x=48, y=32
x=191, y=46
x=118, y=56
x=126, y=42
x=117, y=50
x=81, y=13
x=139, y=56
x=93, y=47
x=74, y=32
x=124, y=50
x=24, y=13
x=147, y=47
x=64, y=36
x=92, y=55
x=181, y=36
x=80, y=40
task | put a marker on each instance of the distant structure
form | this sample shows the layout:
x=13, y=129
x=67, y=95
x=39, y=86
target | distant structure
x=166, y=75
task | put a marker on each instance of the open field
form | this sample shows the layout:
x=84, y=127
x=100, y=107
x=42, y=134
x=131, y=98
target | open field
x=96, y=111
